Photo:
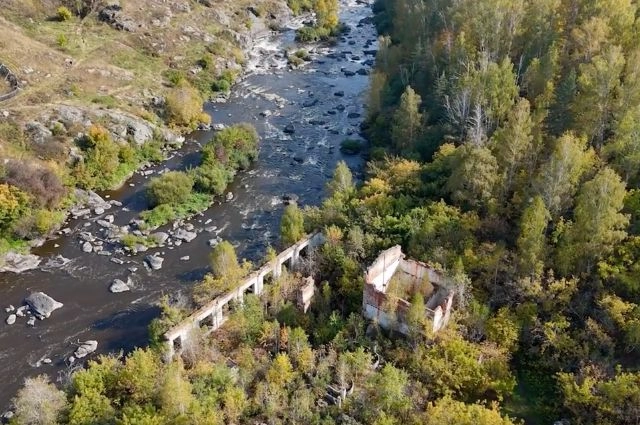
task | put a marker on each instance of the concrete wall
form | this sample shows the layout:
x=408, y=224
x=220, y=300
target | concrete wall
x=382, y=269
x=374, y=298
x=212, y=314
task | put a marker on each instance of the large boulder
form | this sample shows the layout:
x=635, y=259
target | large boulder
x=18, y=263
x=85, y=349
x=119, y=286
x=184, y=235
x=159, y=237
x=42, y=305
x=154, y=261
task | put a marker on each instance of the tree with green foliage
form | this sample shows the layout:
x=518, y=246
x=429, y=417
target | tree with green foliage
x=474, y=178
x=224, y=262
x=407, y=121
x=560, y=174
x=599, y=223
x=448, y=411
x=532, y=237
x=291, y=225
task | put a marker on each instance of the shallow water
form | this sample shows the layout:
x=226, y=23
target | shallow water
x=297, y=164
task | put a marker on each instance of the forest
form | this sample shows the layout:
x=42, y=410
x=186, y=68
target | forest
x=505, y=152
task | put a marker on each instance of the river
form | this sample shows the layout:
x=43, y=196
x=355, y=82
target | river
x=299, y=164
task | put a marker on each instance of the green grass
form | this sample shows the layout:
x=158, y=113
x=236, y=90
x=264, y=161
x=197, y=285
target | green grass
x=164, y=214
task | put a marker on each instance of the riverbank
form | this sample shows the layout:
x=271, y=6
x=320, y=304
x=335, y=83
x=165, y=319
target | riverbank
x=322, y=102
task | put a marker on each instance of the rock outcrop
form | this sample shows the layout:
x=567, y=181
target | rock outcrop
x=18, y=263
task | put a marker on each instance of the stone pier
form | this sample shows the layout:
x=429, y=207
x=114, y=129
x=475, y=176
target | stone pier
x=213, y=314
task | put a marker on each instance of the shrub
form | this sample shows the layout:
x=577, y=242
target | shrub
x=350, y=146
x=64, y=14
x=170, y=188
x=206, y=61
x=184, y=105
x=46, y=220
x=312, y=34
x=62, y=41
x=211, y=178
x=44, y=186
x=13, y=203
x=175, y=77
x=235, y=146
x=221, y=85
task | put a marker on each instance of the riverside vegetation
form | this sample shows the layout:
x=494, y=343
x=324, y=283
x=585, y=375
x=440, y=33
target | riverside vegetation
x=504, y=152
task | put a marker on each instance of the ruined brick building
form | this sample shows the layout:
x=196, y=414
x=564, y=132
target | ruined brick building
x=389, y=284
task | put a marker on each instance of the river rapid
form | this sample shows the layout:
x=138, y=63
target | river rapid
x=289, y=164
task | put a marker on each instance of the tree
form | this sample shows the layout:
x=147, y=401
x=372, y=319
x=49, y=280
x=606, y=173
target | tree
x=291, y=225
x=224, y=262
x=623, y=151
x=326, y=14
x=598, y=89
x=599, y=224
x=342, y=181
x=447, y=411
x=558, y=177
x=91, y=408
x=531, y=241
x=281, y=371
x=512, y=142
x=407, y=121
x=137, y=381
x=38, y=402
x=387, y=391
x=172, y=188
x=474, y=177
x=175, y=391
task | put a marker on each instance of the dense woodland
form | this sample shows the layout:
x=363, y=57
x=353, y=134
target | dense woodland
x=506, y=152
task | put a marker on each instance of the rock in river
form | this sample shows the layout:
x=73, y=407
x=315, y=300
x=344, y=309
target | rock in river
x=154, y=261
x=42, y=304
x=119, y=286
x=87, y=247
x=86, y=348
x=11, y=319
x=18, y=263
x=289, y=129
x=185, y=235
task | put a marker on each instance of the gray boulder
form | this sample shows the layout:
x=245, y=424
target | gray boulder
x=154, y=261
x=159, y=237
x=42, y=305
x=11, y=319
x=185, y=235
x=87, y=247
x=85, y=349
x=118, y=286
